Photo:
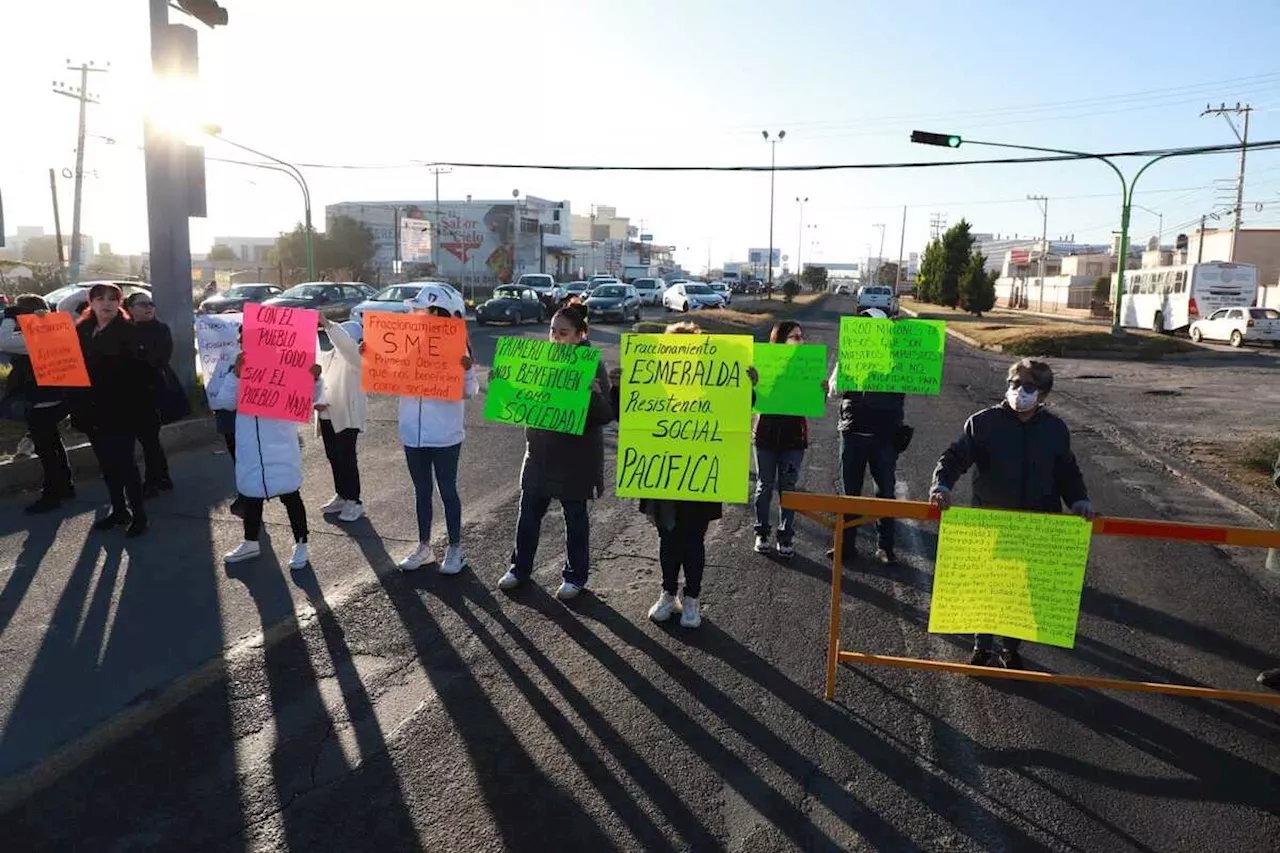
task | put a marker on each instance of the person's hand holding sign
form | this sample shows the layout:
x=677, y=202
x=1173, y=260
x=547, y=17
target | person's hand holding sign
x=466, y=362
x=753, y=375
x=235, y=368
x=940, y=498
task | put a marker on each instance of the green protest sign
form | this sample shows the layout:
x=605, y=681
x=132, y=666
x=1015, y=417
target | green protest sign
x=891, y=355
x=684, y=420
x=791, y=378
x=1016, y=574
x=541, y=385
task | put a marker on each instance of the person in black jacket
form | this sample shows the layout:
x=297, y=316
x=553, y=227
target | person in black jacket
x=44, y=408
x=157, y=349
x=1023, y=461
x=868, y=427
x=115, y=405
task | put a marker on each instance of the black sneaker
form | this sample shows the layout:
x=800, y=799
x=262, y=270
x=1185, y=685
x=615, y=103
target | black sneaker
x=1010, y=659
x=117, y=518
x=981, y=657
x=43, y=504
x=1270, y=678
x=137, y=526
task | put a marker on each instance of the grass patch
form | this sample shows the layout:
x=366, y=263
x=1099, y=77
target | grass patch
x=752, y=317
x=1259, y=453
x=1062, y=339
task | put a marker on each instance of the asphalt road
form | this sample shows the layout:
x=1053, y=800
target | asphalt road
x=418, y=712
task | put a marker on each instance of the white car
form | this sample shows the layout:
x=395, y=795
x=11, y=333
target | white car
x=690, y=296
x=392, y=298
x=1239, y=326
x=650, y=290
x=74, y=298
x=723, y=289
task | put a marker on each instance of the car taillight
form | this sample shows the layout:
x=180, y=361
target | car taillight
x=1192, y=309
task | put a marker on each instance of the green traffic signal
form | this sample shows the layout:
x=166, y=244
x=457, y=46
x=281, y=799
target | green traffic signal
x=942, y=140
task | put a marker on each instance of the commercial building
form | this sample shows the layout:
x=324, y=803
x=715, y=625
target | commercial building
x=249, y=250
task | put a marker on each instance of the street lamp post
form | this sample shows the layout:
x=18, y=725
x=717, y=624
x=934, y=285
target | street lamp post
x=800, y=236
x=773, y=163
x=1127, y=187
x=1160, y=232
x=293, y=172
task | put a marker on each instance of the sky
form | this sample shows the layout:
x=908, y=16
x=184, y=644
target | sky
x=370, y=92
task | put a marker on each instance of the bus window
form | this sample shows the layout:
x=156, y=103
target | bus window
x=1180, y=281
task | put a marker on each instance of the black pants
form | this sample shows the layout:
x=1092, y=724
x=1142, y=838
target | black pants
x=154, y=461
x=230, y=439
x=340, y=447
x=114, y=451
x=292, y=505
x=42, y=426
x=685, y=547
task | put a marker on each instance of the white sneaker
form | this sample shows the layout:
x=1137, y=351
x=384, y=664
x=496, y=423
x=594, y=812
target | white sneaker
x=786, y=550
x=299, y=560
x=422, y=556
x=509, y=581
x=26, y=447
x=335, y=504
x=568, y=591
x=692, y=615
x=454, y=561
x=663, y=608
x=353, y=511
x=762, y=544
x=244, y=551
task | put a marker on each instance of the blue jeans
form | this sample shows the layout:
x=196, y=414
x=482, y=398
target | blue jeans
x=858, y=451
x=577, y=537
x=444, y=462
x=776, y=470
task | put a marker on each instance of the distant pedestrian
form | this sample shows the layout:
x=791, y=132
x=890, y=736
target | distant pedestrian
x=268, y=459
x=564, y=467
x=115, y=408
x=432, y=432
x=1023, y=460
x=341, y=414
x=157, y=350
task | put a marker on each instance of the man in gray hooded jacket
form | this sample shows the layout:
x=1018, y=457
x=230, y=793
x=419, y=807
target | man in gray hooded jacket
x=1023, y=461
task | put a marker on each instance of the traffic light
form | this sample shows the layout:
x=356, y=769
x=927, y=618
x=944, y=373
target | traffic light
x=207, y=12
x=942, y=140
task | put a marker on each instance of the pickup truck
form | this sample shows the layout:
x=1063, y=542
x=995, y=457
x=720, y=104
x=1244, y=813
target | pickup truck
x=877, y=296
x=544, y=285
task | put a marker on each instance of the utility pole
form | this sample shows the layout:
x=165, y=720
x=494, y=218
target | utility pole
x=81, y=94
x=57, y=220
x=1200, y=242
x=937, y=225
x=902, y=248
x=880, y=257
x=1044, y=238
x=437, y=171
x=1243, y=138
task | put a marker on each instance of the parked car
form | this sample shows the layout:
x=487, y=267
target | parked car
x=74, y=298
x=543, y=284
x=575, y=288
x=233, y=299
x=723, y=289
x=614, y=302
x=512, y=304
x=1239, y=326
x=333, y=299
x=649, y=289
x=690, y=296
x=877, y=296
x=392, y=298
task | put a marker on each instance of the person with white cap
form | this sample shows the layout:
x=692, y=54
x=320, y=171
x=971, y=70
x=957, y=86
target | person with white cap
x=432, y=432
x=341, y=414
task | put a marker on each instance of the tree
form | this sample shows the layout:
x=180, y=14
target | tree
x=1102, y=289
x=791, y=288
x=977, y=286
x=108, y=263
x=41, y=250
x=222, y=252
x=291, y=248
x=957, y=244
x=887, y=274
x=930, y=273
x=815, y=278
x=349, y=245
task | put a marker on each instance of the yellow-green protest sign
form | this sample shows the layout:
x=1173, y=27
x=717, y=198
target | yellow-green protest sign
x=1016, y=574
x=791, y=378
x=891, y=355
x=684, y=417
x=541, y=385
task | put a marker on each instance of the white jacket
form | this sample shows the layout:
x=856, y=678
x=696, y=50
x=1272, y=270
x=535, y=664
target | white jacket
x=221, y=371
x=428, y=422
x=268, y=455
x=343, y=393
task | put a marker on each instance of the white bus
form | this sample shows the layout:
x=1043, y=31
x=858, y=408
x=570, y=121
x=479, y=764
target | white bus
x=1166, y=299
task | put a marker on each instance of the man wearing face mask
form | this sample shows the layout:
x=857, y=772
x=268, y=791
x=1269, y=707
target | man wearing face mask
x=1023, y=460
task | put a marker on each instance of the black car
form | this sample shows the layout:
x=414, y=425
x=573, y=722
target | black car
x=614, y=302
x=512, y=305
x=235, y=298
x=332, y=299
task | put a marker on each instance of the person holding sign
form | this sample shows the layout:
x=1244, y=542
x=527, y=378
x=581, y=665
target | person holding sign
x=341, y=413
x=117, y=404
x=268, y=459
x=869, y=426
x=564, y=467
x=170, y=402
x=1023, y=460
x=432, y=432
x=780, y=442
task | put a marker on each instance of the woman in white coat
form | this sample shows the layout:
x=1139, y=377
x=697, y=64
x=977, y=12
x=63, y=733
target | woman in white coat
x=341, y=412
x=268, y=465
x=432, y=433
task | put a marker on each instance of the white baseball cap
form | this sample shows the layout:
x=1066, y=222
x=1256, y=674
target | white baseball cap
x=439, y=296
x=875, y=313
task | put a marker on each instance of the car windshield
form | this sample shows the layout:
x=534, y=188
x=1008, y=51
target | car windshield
x=1264, y=314
x=304, y=291
x=507, y=293
x=609, y=290
x=537, y=281
x=698, y=288
x=246, y=291
x=395, y=293
x=577, y=287
x=645, y=283
x=717, y=286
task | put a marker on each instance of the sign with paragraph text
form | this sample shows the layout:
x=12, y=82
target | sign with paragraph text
x=541, y=384
x=903, y=356
x=791, y=377
x=414, y=355
x=54, y=347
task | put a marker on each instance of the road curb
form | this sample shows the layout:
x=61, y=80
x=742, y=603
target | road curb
x=952, y=333
x=26, y=473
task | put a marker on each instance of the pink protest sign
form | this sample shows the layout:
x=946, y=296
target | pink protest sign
x=279, y=349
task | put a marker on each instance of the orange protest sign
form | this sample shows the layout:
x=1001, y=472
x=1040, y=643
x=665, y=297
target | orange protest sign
x=54, y=348
x=414, y=355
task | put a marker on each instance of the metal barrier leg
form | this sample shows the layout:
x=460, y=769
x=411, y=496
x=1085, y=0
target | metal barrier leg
x=837, y=576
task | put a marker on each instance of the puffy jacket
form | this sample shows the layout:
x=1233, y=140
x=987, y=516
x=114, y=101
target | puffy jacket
x=1020, y=464
x=781, y=432
x=156, y=341
x=268, y=455
x=570, y=467
x=121, y=396
x=343, y=393
x=428, y=422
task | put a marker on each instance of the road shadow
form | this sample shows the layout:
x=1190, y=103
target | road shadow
x=40, y=537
